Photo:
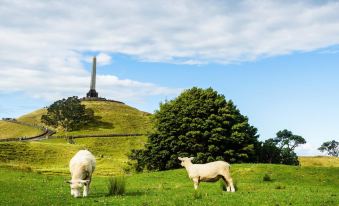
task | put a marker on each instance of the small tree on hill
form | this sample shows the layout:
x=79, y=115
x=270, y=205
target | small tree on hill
x=331, y=147
x=281, y=148
x=68, y=114
x=199, y=123
x=269, y=152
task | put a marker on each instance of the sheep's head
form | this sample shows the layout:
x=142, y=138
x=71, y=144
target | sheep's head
x=185, y=161
x=76, y=185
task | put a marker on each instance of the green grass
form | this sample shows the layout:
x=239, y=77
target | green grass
x=33, y=117
x=111, y=117
x=289, y=186
x=52, y=156
x=13, y=130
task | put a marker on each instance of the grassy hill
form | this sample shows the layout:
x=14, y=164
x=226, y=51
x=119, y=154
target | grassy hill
x=13, y=130
x=319, y=161
x=52, y=156
x=111, y=118
x=290, y=185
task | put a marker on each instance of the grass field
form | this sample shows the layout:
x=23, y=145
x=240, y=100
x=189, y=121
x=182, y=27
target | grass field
x=13, y=130
x=33, y=173
x=289, y=186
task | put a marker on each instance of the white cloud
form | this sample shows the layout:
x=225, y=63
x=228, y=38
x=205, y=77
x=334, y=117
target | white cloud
x=307, y=150
x=102, y=59
x=43, y=43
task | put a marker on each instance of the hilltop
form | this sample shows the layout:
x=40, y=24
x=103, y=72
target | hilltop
x=112, y=118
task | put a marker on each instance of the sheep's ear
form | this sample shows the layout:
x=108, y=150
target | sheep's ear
x=191, y=158
x=179, y=158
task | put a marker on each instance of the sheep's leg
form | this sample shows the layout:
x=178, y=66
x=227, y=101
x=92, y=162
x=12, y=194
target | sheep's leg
x=196, y=182
x=86, y=188
x=229, y=181
x=228, y=188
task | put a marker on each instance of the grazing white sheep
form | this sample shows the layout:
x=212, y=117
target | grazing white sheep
x=209, y=172
x=81, y=166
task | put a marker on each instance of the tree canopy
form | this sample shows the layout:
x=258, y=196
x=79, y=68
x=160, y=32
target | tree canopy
x=280, y=150
x=199, y=123
x=68, y=114
x=331, y=147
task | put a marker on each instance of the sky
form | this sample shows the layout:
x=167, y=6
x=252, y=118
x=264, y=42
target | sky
x=278, y=61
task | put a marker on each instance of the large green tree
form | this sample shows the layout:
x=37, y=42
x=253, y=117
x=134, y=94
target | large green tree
x=68, y=114
x=199, y=123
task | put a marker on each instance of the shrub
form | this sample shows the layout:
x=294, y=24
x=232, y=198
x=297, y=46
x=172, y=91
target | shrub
x=267, y=178
x=116, y=186
x=279, y=187
x=197, y=195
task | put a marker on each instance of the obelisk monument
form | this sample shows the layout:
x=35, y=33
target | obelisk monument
x=92, y=93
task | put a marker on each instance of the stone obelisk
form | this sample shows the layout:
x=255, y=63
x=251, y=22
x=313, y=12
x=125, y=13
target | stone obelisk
x=92, y=93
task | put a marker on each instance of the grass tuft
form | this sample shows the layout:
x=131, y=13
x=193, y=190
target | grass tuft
x=280, y=187
x=116, y=186
x=197, y=195
x=267, y=178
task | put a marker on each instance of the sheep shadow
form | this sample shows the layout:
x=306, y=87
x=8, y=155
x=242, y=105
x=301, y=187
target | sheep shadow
x=129, y=194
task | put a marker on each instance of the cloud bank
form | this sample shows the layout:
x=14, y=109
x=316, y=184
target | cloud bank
x=43, y=43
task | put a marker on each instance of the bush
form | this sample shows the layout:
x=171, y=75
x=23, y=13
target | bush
x=116, y=186
x=267, y=178
x=197, y=195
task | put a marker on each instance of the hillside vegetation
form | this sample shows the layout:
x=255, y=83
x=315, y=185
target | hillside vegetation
x=112, y=118
x=290, y=185
x=319, y=161
x=13, y=130
x=52, y=156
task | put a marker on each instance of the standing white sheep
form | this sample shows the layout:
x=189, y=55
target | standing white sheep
x=81, y=166
x=209, y=172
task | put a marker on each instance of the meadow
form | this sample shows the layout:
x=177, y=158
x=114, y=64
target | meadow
x=52, y=156
x=34, y=173
x=290, y=185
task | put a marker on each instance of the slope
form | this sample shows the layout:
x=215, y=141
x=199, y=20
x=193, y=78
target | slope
x=112, y=118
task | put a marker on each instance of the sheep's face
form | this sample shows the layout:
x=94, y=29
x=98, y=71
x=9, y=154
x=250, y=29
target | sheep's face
x=75, y=189
x=76, y=186
x=185, y=161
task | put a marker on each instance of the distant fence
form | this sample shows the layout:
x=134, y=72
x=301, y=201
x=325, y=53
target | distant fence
x=37, y=137
x=95, y=135
x=45, y=131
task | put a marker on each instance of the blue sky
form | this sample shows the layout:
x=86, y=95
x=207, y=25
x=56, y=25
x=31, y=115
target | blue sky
x=277, y=61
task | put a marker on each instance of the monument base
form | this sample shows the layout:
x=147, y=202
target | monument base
x=92, y=94
x=100, y=99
